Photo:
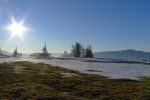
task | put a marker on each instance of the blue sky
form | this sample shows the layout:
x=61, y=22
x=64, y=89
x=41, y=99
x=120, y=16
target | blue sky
x=105, y=24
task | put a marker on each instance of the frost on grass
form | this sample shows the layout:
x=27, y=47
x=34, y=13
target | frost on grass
x=66, y=74
x=28, y=83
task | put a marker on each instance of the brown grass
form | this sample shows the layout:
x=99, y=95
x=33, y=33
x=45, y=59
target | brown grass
x=45, y=82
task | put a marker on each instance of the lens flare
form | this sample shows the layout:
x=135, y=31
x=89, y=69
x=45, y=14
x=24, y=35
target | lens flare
x=17, y=28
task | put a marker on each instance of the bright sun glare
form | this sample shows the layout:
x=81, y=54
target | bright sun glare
x=16, y=28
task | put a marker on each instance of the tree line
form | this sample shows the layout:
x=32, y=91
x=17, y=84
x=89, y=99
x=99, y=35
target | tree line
x=78, y=50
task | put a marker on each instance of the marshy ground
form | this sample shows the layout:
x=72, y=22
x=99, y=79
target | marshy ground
x=37, y=81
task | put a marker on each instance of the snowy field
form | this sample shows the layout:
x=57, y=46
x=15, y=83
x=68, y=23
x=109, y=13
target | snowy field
x=112, y=70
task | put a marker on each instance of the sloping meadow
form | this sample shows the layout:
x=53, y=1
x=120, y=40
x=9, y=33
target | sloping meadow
x=37, y=81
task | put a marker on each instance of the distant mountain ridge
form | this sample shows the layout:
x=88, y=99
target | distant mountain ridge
x=124, y=54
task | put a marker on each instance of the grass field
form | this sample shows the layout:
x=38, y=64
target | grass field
x=30, y=81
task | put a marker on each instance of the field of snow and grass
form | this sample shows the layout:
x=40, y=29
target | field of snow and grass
x=113, y=70
x=24, y=80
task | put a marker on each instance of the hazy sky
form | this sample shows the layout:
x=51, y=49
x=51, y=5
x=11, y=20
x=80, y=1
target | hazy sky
x=105, y=24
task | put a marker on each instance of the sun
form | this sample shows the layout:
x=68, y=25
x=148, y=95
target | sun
x=17, y=28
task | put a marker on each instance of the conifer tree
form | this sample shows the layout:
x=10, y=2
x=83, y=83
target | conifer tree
x=89, y=53
x=44, y=51
x=76, y=49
